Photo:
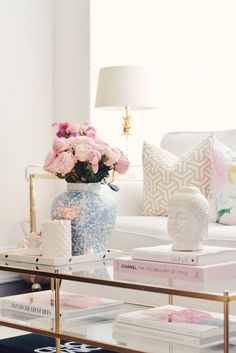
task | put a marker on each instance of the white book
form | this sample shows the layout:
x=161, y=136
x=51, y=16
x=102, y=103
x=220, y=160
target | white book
x=164, y=253
x=151, y=341
x=18, y=256
x=49, y=323
x=121, y=331
x=72, y=305
x=180, y=320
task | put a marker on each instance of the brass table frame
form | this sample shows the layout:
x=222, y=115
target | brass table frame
x=31, y=178
x=226, y=297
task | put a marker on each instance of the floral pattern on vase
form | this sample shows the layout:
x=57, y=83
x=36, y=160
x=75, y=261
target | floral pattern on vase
x=93, y=216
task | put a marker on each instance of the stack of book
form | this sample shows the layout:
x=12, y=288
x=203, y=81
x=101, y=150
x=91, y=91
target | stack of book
x=172, y=324
x=74, y=306
x=160, y=265
x=152, y=264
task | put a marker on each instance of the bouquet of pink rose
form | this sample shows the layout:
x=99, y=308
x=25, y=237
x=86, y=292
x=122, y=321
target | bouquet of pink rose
x=78, y=155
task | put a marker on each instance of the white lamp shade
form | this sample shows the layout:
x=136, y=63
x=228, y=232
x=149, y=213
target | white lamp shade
x=120, y=86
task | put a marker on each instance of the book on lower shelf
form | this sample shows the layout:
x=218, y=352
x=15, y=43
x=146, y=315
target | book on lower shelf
x=124, y=331
x=72, y=305
x=151, y=341
x=175, y=271
x=176, y=324
x=164, y=253
x=177, y=319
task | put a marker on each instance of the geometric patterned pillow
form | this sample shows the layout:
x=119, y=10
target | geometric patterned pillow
x=223, y=185
x=164, y=173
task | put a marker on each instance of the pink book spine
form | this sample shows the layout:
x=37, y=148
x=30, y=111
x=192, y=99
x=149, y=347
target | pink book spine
x=157, y=269
x=175, y=271
x=221, y=270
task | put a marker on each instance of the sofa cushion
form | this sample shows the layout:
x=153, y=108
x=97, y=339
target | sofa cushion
x=223, y=184
x=155, y=227
x=136, y=231
x=181, y=141
x=164, y=173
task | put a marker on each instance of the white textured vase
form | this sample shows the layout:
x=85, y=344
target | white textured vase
x=56, y=240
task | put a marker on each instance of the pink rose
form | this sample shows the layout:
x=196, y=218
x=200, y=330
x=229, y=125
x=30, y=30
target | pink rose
x=94, y=159
x=75, y=143
x=64, y=163
x=122, y=164
x=81, y=140
x=73, y=129
x=62, y=129
x=59, y=145
x=64, y=125
x=49, y=162
x=113, y=155
x=98, y=146
x=83, y=152
x=91, y=132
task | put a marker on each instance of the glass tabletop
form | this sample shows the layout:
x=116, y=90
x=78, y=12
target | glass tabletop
x=102, y=272
x=102, y=331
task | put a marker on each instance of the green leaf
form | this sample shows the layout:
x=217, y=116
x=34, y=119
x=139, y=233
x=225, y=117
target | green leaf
x=221, y=213
x=60, y=176
x=113, y=187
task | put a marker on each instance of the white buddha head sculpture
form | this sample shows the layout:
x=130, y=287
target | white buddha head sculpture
x=187, y=225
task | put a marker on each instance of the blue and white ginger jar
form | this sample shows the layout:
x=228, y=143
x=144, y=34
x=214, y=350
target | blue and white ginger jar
x=94, y=216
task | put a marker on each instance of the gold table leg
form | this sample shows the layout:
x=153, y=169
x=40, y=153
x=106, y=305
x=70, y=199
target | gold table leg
x=170, y=299
x=226, y=321
x=170, y=296
x=52, y=284
x=32, y=203
x=57, y=312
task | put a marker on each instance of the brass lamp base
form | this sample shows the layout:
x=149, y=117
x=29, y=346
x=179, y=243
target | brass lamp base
x=126, y=124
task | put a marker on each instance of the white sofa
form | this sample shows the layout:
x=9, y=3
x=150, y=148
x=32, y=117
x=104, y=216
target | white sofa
x=133, y=230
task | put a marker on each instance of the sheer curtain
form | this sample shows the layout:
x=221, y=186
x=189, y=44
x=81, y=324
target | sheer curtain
x=189, y=47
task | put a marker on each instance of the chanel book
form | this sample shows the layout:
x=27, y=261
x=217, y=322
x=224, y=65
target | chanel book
x=175, y=271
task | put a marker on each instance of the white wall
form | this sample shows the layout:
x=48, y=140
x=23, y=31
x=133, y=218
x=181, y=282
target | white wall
x=71, y=60
x=25, y=104
x=71, y=65
x=190, y=48
x=44, y=77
